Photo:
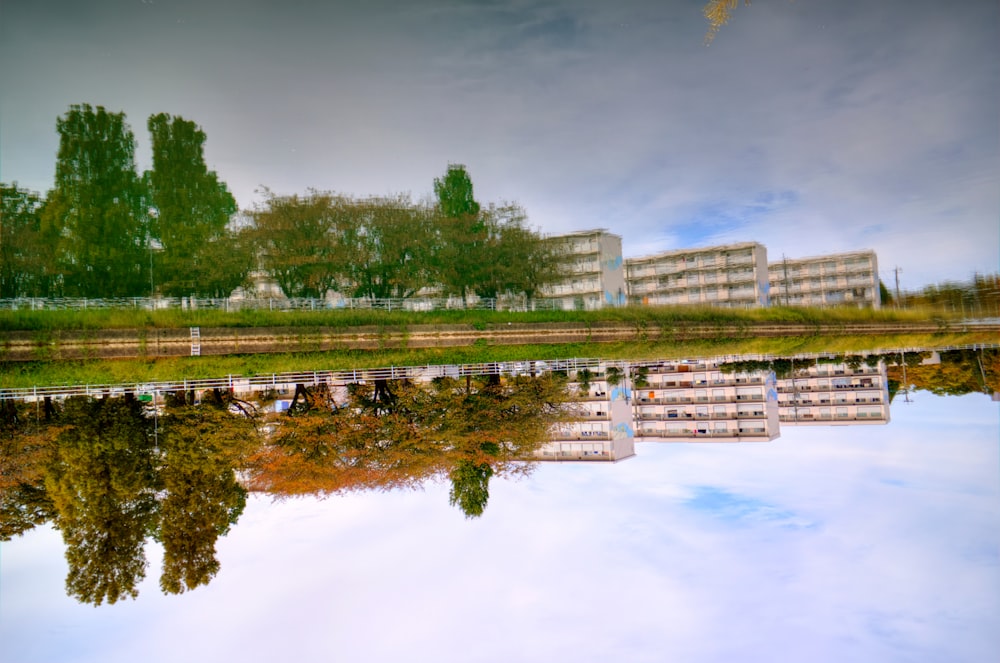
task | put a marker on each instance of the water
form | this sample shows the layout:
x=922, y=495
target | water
x=828, y=543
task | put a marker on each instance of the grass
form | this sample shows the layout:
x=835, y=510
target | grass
x=28, y=374
x=139, y=319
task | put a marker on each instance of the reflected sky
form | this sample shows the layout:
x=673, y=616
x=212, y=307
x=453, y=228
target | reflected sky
x=827, y=544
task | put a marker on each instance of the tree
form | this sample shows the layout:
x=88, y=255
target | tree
x=390, y=242
x=461, y=233
x=470, y=487
x=26, y=269
x=395, y=434
x=301, y=242
x=514, y=258
x=884, y=295
x=101, y=483
x=203, y=447
x=97, y=208
x=26, y=447
x=191, y=214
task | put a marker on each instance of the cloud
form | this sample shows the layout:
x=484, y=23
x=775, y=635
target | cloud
x=879, y=118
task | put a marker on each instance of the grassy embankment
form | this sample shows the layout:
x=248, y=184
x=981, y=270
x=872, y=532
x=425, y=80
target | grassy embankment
x=123, y=371
x=138, y=319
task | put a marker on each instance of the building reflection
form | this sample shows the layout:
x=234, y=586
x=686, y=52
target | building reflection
x=175, y=464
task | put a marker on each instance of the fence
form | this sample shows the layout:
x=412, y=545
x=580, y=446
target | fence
x=332, y=378
x=278, y=304
x=420, y=373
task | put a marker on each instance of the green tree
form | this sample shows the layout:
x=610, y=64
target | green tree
x=203, y=448
x=97, y=208
x=514, y=258
x=102, y=486
x=461, y=233
x=470, y=487
x=884, y=295
x=390, y=241
x=191, y=214
x=26, y=268
x=301, y=242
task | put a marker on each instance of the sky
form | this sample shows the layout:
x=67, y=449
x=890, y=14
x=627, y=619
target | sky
x=810, y=126
x=864, y=543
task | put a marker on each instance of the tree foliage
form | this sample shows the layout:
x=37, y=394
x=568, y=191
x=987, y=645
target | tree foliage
x=98, y=206
x=488, y=251
x=203, y=447
x=26, y=267
x=390, y=244
x=26, y=446
x=301, y=242
x=102, y=486
x=461, y=233
x=191, y=214
x=398, y=434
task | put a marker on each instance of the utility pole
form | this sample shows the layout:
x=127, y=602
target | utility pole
x=897, y=270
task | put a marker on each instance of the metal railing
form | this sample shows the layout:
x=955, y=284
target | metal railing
x=246, y=384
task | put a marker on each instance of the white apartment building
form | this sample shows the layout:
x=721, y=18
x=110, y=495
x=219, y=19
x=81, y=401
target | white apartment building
x=601, y=429
x=838, y=279
x=834, y=394
x=733, y=275
x=596, y=273
x=694, y=401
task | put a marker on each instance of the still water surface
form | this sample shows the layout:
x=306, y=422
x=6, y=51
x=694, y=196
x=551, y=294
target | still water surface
x=864, y=542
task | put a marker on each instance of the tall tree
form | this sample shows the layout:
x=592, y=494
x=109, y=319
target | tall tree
x=102, y=486
x=26, y=447
x=390, y=242
x=191, y=213
x=26, y=268
x=462, y=233
x=97, y=208
x=470, y=487
x=203, y=447
x=300, y=240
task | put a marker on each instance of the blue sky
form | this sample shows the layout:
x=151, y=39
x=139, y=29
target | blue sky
x=865, y=543
x=866, y=124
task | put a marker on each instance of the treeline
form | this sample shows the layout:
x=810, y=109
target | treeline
x=105, y=230
x=979, y=296
x=111, y=473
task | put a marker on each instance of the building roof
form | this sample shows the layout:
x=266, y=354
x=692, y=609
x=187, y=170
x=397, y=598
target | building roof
x=701, y=249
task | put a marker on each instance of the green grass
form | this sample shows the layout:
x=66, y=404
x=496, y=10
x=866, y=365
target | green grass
x=138, y=319
x=28, y=374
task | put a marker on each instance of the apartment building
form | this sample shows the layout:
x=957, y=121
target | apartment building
x=834, y=394
x=601, y=428
x=838, y=279
x=695, y=401
x=596, y=273
x=732, y=275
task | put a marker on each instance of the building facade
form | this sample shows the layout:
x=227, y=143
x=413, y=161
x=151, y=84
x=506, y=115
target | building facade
x=834, y=394
x=839, y=279
x=732, y=275
x=596, y=274
x=695, y=401
x=601, y=426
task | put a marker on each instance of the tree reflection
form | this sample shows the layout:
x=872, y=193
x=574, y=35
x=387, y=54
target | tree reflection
x=101, y=482
x=110, y=473
x=397, y=434
x=26, y=443
x=202, y=447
